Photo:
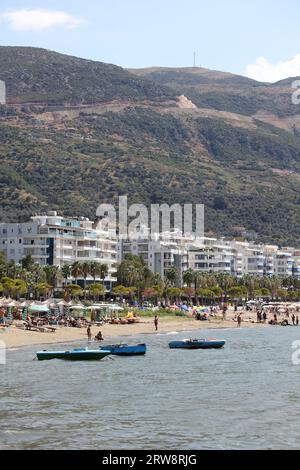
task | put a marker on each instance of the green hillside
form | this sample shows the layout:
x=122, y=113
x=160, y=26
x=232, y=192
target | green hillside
x=41, y=76
x=246, y=172
x=226, y=92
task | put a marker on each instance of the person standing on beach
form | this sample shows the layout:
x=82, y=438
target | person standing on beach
x=156, y=322
x=89, y=333
x=297, y=320
x=265, y=317
x=239, y=320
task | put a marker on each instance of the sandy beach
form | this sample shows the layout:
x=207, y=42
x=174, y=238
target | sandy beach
x=15, y=338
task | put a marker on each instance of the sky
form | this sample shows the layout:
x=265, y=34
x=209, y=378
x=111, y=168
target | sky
x=256, y=38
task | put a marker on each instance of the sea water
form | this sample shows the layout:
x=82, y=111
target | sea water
x=246, y=396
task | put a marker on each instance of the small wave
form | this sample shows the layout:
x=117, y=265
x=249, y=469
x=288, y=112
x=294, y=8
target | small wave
x=13, y=432
x=170, y=333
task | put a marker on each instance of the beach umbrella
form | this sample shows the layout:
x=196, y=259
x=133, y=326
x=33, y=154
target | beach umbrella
x=24, y=313
x=13, y=303
x=9, y=314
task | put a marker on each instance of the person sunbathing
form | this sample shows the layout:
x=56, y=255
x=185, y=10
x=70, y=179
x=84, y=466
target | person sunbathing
x=99, y=337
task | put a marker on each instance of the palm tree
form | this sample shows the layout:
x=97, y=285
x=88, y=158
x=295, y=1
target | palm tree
x=225, y=281
x=189, y=277
x=53, y=274
x=94, y=270
x=252, y=283
x=103, y=272
x=66, y=272
x=76, y=270
x=85, y=271
x=172, y=275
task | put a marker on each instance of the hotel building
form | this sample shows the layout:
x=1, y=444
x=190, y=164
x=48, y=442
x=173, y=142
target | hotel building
x=54, y=240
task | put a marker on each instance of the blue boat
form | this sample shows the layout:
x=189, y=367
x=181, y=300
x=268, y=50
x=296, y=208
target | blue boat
x=126, y=350
x=82, y=354
x=197, y=344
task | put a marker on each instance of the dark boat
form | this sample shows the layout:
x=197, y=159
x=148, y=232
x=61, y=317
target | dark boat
x=82, y=354
x=197, y=344
x=126, y=350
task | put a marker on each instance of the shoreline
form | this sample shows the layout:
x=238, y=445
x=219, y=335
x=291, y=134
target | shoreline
x=15, y=338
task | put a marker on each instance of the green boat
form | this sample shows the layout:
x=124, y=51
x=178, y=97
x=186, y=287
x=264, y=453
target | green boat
x=82, y=354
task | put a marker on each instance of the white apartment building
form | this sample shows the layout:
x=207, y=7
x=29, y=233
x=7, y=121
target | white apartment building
x=160, y=254
x=296, y=262
x=214, y=255
x=210, y=255
x=54, y=240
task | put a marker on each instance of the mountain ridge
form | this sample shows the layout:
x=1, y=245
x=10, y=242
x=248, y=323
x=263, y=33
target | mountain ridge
x=137, y=140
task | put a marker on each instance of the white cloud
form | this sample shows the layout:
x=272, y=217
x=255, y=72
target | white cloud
x=39, y=20
x=264, y=71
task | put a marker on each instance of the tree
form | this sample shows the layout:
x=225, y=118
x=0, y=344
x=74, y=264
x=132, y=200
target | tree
x=188, y=277
x=53, y=275
x=225, y=281
x=205, y=294
x=237, y=293
x=94, y=270
x=14, y=287
x=76, y=270
x=85, y=270
x=72, y=291
x=96, y=290
x=172, y=275
x=66, y=272
x=120, y=291
x=103, y=272
x=175, y=293
x=27, y=262
x=43, y=289
x=189, y=293
x=8, y=286
x=134, y=272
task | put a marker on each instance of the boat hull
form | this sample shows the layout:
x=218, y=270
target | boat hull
x=75, y=355
x=197, y=344
x=125, y=350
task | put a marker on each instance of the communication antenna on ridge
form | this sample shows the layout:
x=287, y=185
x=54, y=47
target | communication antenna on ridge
x=195, y=60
